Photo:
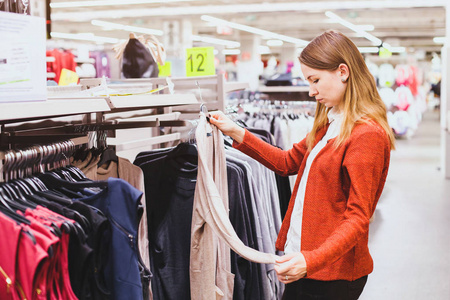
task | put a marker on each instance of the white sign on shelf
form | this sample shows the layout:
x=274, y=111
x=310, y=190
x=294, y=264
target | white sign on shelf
x=22, y=58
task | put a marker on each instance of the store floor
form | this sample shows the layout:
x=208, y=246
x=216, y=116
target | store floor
x=410, y=236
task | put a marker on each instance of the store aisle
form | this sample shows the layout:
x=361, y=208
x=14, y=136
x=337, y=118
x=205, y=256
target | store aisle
x=410, y=236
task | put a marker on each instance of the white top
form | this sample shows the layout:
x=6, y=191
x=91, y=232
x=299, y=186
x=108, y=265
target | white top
x=293, y=241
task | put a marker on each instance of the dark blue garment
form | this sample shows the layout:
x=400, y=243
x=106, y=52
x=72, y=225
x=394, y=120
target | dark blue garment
x=120, y=204
x=169, y=190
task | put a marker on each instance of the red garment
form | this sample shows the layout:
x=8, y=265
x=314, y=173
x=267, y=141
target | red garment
x=343, y=188
x=58, y=279
x=63, y=60
x=29, y=257
x=10, y=233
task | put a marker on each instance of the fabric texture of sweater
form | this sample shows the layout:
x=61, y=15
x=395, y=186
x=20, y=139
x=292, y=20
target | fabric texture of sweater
x=344, y=186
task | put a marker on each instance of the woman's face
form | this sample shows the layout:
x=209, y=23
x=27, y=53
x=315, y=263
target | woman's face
x=326, y=86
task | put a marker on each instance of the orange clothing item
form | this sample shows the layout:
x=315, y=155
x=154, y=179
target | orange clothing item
x=343, y=189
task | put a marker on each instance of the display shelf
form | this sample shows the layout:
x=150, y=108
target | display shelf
x=149, y=101
x=51, y=108
x=283, y=89
x=235, y=86
x=129, y=145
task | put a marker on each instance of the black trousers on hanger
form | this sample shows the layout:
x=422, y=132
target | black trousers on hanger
x=309, y=289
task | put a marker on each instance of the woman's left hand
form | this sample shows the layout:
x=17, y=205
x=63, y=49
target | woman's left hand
x=290, y=267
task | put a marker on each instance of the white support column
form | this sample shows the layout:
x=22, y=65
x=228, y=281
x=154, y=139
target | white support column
x=176, y=39
x=445, y=99
x=288, y=54
x=250, y=65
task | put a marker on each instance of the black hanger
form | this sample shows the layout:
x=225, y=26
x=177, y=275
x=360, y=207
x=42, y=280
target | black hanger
x=13, y=204
x=108, y=155
x=53, y=182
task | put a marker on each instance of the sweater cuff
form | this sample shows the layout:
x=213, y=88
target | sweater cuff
x=241, y=146
x=312, y=264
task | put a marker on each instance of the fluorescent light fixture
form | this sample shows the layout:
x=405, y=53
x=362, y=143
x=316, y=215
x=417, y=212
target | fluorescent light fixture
x=439, y=39
x=298, y=6
x=368, y=49
x=376, y=49
x=264, y=49
x=274, y=43
x=254, y=30
x=367, y=27
x=108, y=3
x=110, y=25
x=376, y=41
x=394, y=49
x=84, y=37
x=397, y=49
x=231, y=51
x=210, y=40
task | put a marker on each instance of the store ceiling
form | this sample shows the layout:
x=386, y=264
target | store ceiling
x=401, y=23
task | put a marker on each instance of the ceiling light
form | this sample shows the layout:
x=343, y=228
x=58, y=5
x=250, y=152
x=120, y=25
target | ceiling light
x=231, y=52
x=84, y=37
x=108, y=3
x=376, y=41
x=377, y=49
x=242, y=8
x=368, y=49
x=274, y=43
x=110, y=25
x=439, y=40
x=264, y=50
x=254, y=30
x=367, y=27
x=397, y=49
x=210, y=40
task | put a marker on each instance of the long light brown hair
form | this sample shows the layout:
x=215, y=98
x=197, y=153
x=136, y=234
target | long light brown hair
x=361, y=99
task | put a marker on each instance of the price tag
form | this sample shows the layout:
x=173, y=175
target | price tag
x=165, y=70
x=200, y=61
x=68, y=77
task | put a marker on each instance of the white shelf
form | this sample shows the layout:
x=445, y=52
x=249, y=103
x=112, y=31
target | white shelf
x=51, y=108
x=84, y=61
x=130, y=145
x=236, y=86
x=149, y=100
x=283, y=89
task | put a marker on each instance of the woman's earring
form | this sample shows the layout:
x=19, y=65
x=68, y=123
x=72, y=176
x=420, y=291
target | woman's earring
x=343, y=80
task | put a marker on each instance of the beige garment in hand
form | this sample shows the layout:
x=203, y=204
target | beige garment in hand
x=125, y=170
x=210, y=264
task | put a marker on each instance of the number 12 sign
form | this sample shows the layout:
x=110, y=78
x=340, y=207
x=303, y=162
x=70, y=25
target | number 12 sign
x=200, y=61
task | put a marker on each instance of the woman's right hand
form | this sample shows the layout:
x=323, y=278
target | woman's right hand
x=227, y=126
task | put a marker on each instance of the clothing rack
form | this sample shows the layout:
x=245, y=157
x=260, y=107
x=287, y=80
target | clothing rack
x=161, y=116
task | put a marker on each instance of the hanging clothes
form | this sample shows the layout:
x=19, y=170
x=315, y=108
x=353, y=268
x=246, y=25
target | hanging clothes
x=120, y=204
x=210, y=216
x=125, y=170
x=170, y=179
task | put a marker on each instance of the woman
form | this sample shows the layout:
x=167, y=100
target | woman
x=342, y=166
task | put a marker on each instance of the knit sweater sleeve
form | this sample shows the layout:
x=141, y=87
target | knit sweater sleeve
x=365, y=162
x=280, y=161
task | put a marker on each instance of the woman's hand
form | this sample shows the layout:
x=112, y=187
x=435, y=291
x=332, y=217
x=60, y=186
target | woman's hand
x=290, y=267
x=227, y=126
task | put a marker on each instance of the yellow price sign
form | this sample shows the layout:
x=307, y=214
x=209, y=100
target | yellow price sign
x=68, y=77
x=165, y=70
x=384, y=53
x=200, y=61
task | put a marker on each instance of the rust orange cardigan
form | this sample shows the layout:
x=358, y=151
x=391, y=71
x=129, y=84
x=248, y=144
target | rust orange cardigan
x=343, y=189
